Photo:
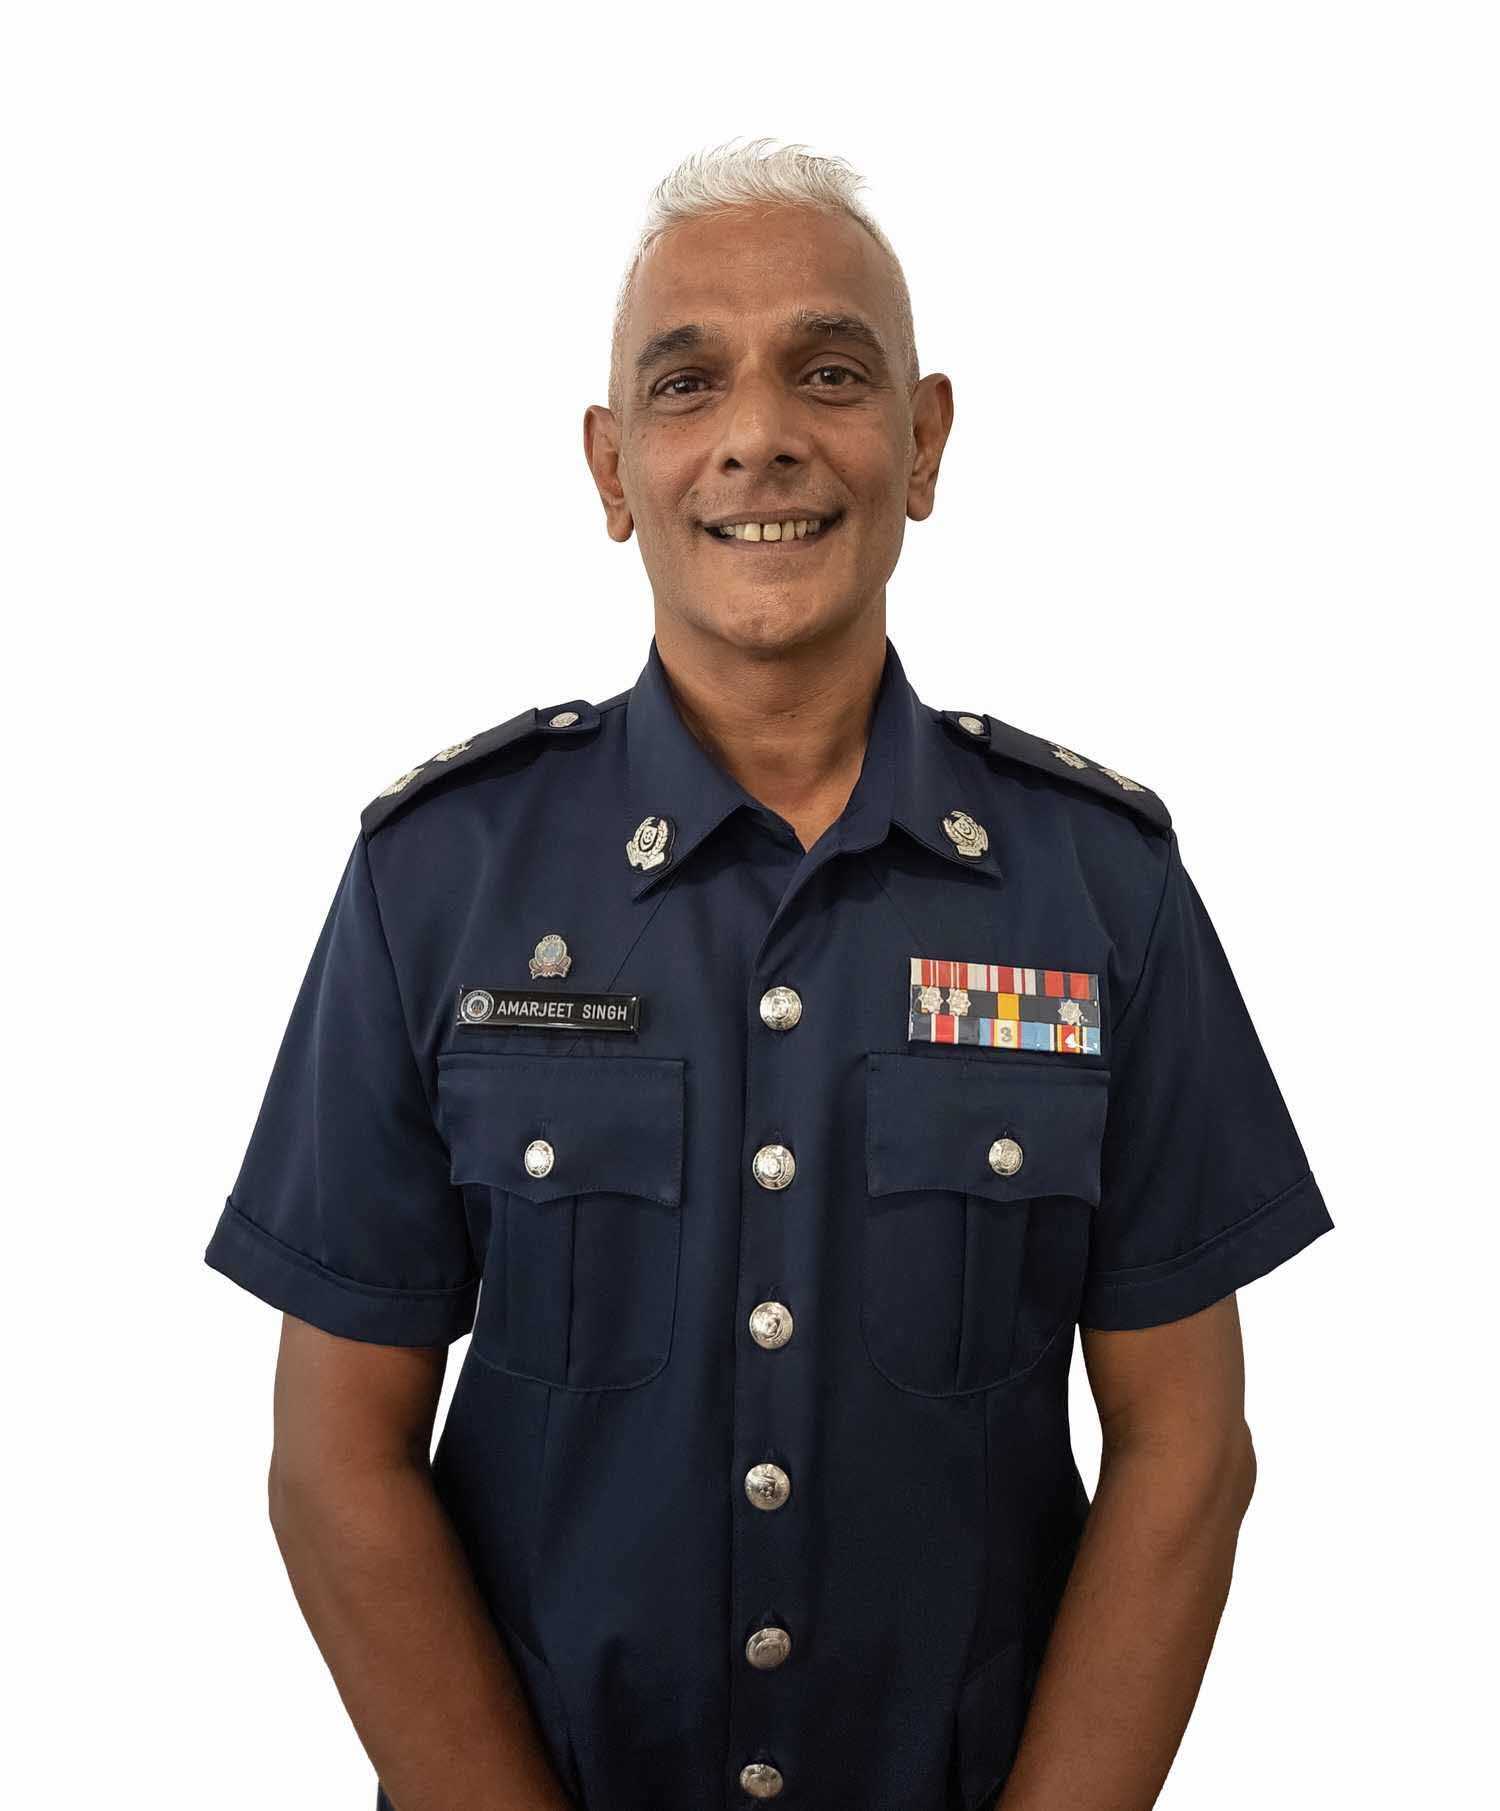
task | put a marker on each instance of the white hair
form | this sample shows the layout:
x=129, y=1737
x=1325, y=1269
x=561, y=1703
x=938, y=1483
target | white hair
x=714, y=181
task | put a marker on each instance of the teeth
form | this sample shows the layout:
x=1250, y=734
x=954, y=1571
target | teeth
x=792, y=530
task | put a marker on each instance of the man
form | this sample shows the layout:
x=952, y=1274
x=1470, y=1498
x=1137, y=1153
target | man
x=786, y=1068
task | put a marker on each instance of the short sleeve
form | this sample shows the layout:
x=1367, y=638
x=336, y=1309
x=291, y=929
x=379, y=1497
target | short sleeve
x=1204, y=1184
x=344, y=1213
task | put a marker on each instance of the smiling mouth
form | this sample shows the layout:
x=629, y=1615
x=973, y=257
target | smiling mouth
x=786, y=538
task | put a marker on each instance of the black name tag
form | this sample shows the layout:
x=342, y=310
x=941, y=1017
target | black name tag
x=535, y=1009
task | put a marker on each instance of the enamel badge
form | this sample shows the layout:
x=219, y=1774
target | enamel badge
x=1003, y=1007
x=550, y=957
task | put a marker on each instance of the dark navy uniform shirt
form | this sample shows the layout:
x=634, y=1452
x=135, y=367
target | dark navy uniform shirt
x=772, y=1217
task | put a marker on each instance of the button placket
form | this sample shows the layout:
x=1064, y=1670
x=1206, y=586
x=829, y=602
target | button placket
x=767, y=1486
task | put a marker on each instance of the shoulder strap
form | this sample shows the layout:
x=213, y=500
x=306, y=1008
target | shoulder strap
x=573, y=718
x=1006, y=742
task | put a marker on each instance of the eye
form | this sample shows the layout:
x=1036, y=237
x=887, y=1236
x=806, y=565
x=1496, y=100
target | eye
x=847, y=370
x=665, y=387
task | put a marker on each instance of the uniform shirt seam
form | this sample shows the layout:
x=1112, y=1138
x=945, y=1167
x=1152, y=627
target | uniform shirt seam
x=294, y=1254
x=1172, y=856
x=1131, y=1275
x=385, y=944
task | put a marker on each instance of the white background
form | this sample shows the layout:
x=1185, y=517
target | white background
x=302, y=307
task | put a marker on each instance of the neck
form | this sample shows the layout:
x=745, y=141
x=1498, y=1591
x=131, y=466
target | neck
x=789, y=724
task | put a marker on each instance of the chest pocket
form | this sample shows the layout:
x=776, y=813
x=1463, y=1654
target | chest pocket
x=969, y=1269
x=580, y=1261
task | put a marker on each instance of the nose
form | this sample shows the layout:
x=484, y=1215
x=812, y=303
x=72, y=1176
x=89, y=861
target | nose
x=760, y=425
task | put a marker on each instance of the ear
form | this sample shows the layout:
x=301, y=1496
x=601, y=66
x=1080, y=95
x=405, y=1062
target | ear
x=601, y=448
x=931, y=420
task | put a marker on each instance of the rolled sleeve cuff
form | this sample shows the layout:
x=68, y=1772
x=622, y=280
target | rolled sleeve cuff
x=1118, y=1300
x=288, y=1279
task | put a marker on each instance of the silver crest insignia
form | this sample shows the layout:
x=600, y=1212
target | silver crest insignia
x=966, y=834
x=651, y=844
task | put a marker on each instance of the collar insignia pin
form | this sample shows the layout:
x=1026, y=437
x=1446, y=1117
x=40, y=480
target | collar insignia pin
x=966, y=834
x=651, y=843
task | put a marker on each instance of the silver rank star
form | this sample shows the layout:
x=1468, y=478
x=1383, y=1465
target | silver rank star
x=550, y=956
x=448, y=754
x=652, y=842
x=929, y=999
x=965, y=833
x=958, y=1001
x=1120, y=780
x=401, y=785
x=1070, y=1012
x=1066, y=755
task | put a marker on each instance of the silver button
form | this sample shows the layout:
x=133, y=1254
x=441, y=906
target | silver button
x=768, y=1647
x=562, y=719
x=770, y=1324
x=767, y=1486
x=760, y=1779
x=974, y=725
x=538, y=1157
x=1005, y=1156
x=780, y=1008
x=774, y=1166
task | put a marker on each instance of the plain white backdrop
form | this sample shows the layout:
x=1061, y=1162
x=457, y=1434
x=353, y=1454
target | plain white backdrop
x=301, y=310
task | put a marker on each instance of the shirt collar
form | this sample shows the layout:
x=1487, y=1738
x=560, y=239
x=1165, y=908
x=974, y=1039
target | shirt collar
x=907, y=777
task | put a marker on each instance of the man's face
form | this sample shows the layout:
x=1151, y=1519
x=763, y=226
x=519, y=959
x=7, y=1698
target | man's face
x=738, y=403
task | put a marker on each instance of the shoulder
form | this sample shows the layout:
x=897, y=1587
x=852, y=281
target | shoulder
x=523, y=736
x=1017, y=749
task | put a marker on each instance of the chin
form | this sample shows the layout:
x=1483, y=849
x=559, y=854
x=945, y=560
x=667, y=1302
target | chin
x=762, y=625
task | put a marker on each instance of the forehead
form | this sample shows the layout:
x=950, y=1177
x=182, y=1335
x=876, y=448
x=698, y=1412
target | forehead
x=756, y=266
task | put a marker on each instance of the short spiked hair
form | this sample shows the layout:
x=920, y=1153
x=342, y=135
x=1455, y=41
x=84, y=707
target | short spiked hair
x=714, y=181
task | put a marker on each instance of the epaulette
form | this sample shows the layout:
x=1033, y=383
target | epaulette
x=574, y=718
x=1011, y=744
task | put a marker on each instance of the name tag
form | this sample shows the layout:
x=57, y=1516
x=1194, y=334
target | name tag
x=537, y=1009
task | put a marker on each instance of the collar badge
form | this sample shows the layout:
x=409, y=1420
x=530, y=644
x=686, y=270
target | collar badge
x=651, y=844
x=966, y=834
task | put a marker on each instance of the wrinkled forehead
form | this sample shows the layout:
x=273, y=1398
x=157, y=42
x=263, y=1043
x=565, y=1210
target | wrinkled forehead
x=758, y=273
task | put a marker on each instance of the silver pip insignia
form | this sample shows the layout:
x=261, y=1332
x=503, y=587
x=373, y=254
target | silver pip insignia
x=550, y=956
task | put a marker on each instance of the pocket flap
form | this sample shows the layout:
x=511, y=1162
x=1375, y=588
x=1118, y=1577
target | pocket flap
x=614, y=1123
x=930, y=1123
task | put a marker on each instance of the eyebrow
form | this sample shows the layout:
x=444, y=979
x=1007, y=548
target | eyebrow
x=804, y=323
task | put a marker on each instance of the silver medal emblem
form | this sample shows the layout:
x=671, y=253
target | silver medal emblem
x=652, y=841
x=958, y=1001
x=550, y=956
x=929, y=999
x=476, y=1006
x=1070, y=1012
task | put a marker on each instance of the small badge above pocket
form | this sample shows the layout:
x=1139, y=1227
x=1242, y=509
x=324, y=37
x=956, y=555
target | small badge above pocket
x=1004, y=1008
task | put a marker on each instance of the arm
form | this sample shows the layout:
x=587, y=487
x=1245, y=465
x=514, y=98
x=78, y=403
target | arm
x=384, y=1584
x=1142, y=1605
